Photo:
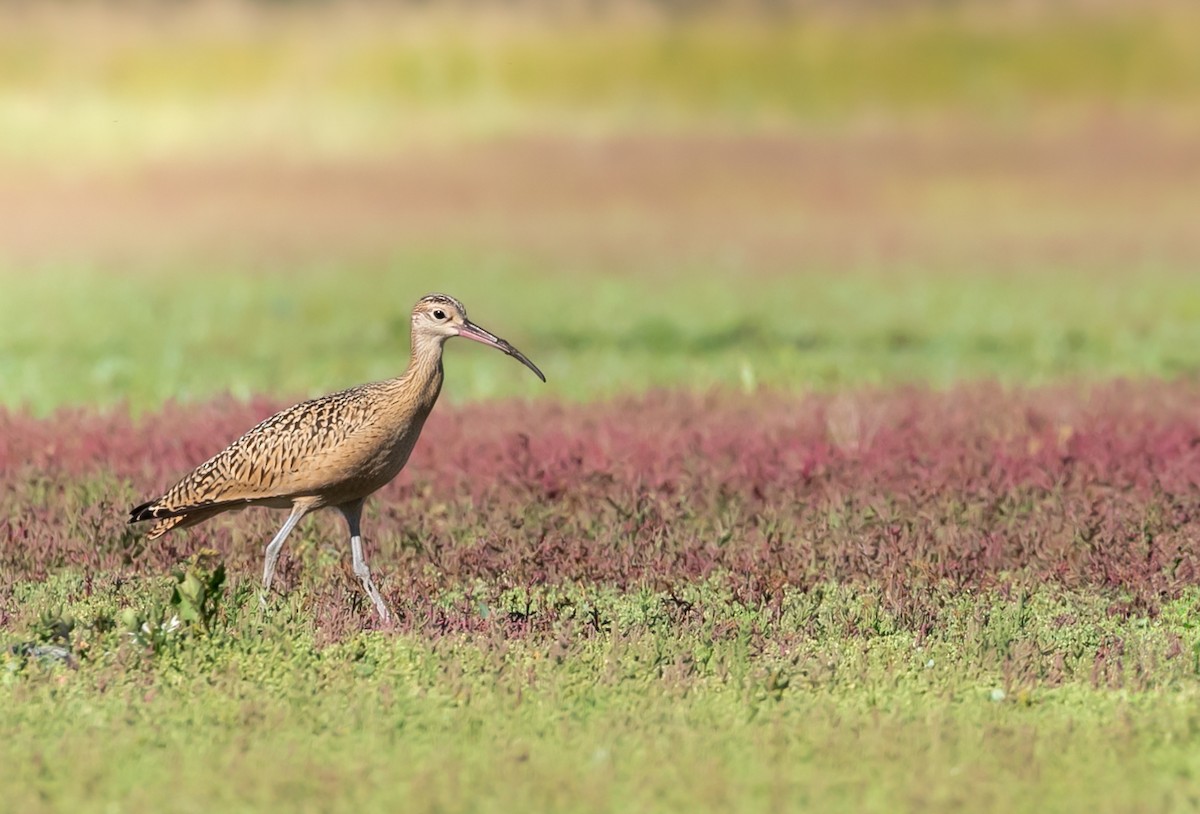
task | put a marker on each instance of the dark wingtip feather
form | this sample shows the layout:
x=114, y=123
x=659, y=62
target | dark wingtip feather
x=142, y=512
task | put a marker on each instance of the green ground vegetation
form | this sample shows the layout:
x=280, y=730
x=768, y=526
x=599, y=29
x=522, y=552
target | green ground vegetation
x=71, y=335
x=1036, y=699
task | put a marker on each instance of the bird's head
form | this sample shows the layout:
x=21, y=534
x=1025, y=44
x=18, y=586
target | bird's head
x=439, y=317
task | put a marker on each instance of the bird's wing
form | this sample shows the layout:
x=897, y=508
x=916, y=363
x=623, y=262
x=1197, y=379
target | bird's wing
x=294, y=452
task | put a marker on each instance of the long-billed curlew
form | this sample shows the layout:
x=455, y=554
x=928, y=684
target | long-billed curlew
x=331, y=451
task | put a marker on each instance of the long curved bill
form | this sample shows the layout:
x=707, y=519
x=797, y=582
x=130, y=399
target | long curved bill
x=472, y=331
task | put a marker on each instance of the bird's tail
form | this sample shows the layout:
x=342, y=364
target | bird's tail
x=147, y=511
x=167, y=518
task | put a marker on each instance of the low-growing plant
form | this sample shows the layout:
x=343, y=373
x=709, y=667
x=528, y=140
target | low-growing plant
x=199, y=589
x=970, y=489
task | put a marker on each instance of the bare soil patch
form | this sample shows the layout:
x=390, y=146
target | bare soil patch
x=1106, y=192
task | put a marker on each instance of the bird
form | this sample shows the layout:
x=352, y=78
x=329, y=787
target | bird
x=331, y=451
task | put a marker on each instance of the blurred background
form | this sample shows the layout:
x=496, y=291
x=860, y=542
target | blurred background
x=248, y=196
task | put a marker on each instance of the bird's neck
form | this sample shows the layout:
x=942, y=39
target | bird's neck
x=422, y=381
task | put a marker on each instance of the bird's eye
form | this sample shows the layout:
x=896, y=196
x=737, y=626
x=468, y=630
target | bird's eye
x=439, y=314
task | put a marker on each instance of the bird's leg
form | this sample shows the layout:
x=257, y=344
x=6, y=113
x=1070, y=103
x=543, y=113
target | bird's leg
x=353, y=513
x=364, y=574
x=275, y=546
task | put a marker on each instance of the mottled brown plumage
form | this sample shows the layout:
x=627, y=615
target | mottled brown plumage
x=330, y=451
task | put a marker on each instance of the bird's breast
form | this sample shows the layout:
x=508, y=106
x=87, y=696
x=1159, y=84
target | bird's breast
x=373, y=457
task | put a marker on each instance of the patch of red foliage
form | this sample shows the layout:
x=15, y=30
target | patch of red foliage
x=908, y=489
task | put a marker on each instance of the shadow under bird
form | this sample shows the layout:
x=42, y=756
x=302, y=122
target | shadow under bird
x=330, y=451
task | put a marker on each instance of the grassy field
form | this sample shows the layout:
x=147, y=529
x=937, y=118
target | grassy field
x=644, y=714
x=865, y=477
x=869, y=601
x=74, y=336
x=904, y=600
